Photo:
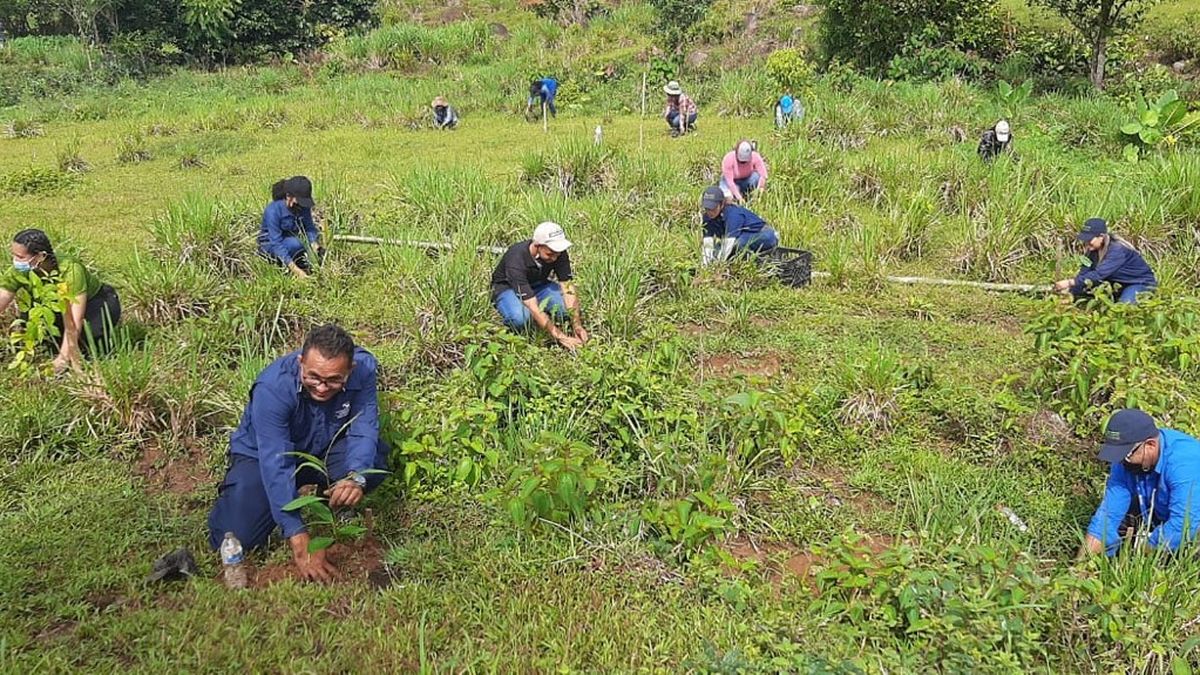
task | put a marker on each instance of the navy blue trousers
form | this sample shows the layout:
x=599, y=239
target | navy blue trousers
x=242, y=506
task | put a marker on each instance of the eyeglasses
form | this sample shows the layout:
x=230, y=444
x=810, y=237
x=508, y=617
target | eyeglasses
x=1129, y=457
x=334, y=382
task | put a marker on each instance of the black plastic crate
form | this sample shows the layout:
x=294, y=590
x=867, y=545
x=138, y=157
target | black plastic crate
x=793, y=266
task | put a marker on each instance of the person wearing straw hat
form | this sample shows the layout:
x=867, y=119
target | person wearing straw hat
x=788, y=109
x=1152, y=496
x=730, y=229
x=532, y=285
x=996, y=141
x=444, y=116
x=681, y=111
x=1111, y=260
x=743, y=171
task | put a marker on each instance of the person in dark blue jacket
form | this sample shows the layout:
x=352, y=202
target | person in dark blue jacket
x=1113, y=260
x=729, y=228
x=1152, y=497
x=542, y=89
x=288, y=230
x=320, y=400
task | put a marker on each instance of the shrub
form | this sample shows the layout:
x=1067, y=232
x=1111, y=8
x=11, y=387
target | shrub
x=789, y=70
x=1170, y=29
x=36, y=180
x=1106, y=355
x=561, y=487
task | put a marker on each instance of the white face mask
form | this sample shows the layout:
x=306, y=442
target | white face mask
x=22, y=265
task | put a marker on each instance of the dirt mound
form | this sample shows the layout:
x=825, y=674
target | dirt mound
x=182, y=475
x=358, y=562
x=726, y=365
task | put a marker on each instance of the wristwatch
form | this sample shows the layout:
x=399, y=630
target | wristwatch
x=360, y=481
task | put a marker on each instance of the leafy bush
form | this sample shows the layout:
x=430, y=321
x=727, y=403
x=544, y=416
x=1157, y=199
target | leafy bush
x=1107, y=355
x=682, y=527
x=1158, y=123
x=36, y=180
x=560, y=487
x=789, y=70
x=1170, y=29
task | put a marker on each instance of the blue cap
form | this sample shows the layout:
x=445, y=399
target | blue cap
x=1126, y=428
x=1094, y=227
x=785, y=103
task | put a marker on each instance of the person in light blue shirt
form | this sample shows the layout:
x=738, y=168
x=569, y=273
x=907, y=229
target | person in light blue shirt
x=322, y=401
x=288, y=231
x=543, y=90
x=1152, y=496
x=788, y=109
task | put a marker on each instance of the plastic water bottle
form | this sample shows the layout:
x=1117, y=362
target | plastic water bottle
x=233, y=560
x=599, y=135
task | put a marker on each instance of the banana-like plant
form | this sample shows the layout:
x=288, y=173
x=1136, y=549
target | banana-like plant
x=1163, y=121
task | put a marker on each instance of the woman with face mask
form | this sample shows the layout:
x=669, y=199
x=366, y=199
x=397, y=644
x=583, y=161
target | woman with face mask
x=93, y=307
x=288, y=231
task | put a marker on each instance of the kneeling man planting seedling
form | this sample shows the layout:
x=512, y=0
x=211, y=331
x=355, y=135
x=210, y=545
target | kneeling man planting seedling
x=532, y=285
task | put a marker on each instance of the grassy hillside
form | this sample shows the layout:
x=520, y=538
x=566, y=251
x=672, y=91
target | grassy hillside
x=848, y=445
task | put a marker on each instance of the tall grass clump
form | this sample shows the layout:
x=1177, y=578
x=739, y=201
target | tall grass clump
x=404, y=45
x=576, y=169
x=217, y=237
x=162, y=292
x=444, y=204
x=1009, y=226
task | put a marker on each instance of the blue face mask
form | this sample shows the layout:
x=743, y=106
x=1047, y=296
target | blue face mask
x=22, y=266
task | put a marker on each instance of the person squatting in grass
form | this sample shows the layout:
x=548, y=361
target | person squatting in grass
x=93, y=306
x=524, y=292
x=1112, y=260
x=743, y=171
x=543, y=90
x=1152, y=496
x=788, y=109
x=445, y=117
x=320, y=400
x=995, y=142
x=288, y=231
x=730, y=229
x=680, y=111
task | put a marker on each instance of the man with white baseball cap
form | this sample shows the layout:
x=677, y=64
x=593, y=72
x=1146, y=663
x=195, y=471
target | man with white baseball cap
x=532, y=284
x=995, y=141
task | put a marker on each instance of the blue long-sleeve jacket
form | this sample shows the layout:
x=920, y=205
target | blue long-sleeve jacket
x=733, y=222
x=1167, y=497
x=281, y=418
x=1122, y=265
x=548, y=90
x=279, y=223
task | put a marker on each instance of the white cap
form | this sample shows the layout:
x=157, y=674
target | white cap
x=552, y=235
x=744, y=151
x=1002, y=131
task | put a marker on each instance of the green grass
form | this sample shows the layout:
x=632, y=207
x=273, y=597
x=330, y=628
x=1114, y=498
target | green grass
x=900, y=413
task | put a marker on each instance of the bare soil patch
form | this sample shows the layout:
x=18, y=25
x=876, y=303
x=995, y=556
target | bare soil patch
x=358, y=562
x=726, y=365
x=181, y=475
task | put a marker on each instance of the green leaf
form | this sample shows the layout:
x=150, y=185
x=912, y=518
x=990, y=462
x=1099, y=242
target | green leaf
x=1132, y=128
x=1131, y=153
x=1150, y=118
x=351, y=531
x=301, y=502
x=321, y=512
x=1150, y=137
x=319, y=544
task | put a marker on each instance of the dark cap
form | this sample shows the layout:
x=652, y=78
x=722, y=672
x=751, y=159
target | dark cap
x=1126, y=428
x=300, y=187
x=713, y=197
x=1094, y=227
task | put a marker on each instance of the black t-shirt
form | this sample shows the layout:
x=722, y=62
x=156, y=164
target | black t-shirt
x=520, y=272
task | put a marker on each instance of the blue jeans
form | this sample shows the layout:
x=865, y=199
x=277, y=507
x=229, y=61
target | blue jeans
x=1129, y=293
x=294, y=247
x=757, y=242
x=545, y=100
x=242, y=506
x=745, y=185
x=518, y=317
x=673, y=120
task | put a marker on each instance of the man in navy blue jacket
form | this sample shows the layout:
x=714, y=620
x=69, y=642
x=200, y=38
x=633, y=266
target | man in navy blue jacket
x=1153, y=489
x=322, y=401
x=735, y=228
x=1113, y=260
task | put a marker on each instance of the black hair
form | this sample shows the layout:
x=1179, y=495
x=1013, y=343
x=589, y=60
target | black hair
x=279, y=190
x=36, y=241
x=535, y=84
x=331, y=340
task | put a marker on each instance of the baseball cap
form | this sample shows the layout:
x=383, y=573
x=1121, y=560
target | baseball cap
x=300, y=187
x=1125, y=429
x=551, y=234
x=785, y=103
x=1094, y=227
x=1003, y=132
x=744, y=151
x=713, y=197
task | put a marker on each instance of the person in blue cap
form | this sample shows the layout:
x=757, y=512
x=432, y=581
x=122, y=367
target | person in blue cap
x=542, y=89
x=288, y=231
x=788, y=109
x=320, y=400
x=1111, y=260
x=730, y=229
x=1152, y=496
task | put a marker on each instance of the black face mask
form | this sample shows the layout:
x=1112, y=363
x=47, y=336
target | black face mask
x=296, y=209
x=1135, y=468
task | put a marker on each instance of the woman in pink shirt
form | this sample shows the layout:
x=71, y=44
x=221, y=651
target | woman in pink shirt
x=742, y=171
